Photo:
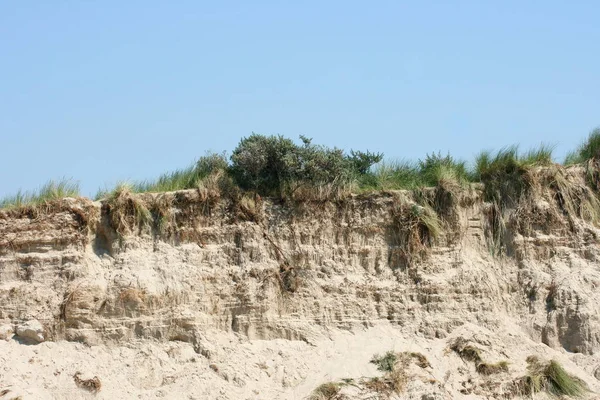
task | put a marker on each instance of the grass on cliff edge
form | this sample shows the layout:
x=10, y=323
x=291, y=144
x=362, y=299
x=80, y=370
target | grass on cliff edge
x=501, y=172
x=51, y=190
x=588, y=150
x=185, y=178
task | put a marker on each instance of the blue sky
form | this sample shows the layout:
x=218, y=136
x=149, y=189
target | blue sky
x=102, y=91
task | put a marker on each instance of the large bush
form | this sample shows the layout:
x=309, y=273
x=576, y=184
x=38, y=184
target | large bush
x=276, y=166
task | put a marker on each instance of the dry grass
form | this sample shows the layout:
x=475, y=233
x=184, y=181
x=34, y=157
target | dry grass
x=419, y=358
x=489, y=369
x=470, y=353
x=92, y=385
x=327, y=391
x=394, y=365
x=127, y=211
x=414, y=229
x=161, y=210
x=394, y=381
x=322, y=192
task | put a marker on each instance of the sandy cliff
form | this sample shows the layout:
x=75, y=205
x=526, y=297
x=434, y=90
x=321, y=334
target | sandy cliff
x=185, y=295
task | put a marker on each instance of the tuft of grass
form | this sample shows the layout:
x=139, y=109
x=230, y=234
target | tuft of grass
x=492, y=368
x=588, y=150
x=413, y=230
x=180, y=179
x=466, y=351
x=541, y=155
x=394, y=366
x=562, y=383
x=126, y=210
x=436, y=170
x=393, y=175
x=326, y=391
x=433, y=170
x=386, y=362
x=51, y=190
x=200, y=174
x=508, y=177
x=550, y=377
x=427, y=217
x=420, y=359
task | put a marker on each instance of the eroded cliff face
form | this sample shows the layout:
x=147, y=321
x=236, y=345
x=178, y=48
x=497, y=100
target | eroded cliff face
x=205, y=299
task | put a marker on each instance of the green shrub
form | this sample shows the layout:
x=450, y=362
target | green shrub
x=276, y=166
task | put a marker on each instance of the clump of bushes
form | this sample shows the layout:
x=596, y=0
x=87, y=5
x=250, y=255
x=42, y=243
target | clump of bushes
x=276, y=166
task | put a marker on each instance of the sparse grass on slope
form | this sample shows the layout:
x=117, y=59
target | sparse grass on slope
x=52, y=190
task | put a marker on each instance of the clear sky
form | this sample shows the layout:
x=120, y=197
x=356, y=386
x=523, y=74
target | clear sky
x=102, y=91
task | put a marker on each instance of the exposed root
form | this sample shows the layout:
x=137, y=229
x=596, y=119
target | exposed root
x=127, y=212
x=413, y=231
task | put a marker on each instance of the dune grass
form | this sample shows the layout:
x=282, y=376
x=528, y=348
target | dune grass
x=185, y=178
x=589, y=149
x=431, y=171
x=550, y=377
x=503, y=173
x=51, y=190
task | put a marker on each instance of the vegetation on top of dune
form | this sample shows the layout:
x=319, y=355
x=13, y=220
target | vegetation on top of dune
x=589, y=149
x=275, y=166
x=51, y=190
